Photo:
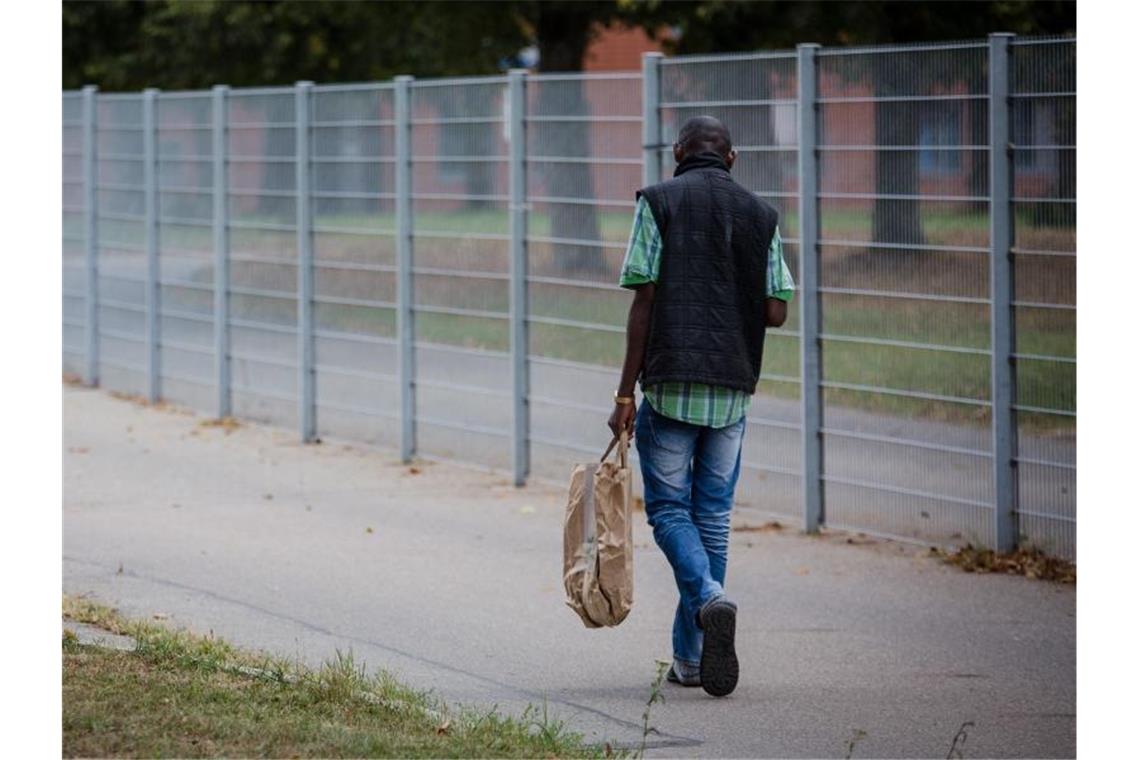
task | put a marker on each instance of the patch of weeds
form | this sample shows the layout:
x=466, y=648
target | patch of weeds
x=1029, y=562
x=179, y=694
x=856, y=736
x=655, y=696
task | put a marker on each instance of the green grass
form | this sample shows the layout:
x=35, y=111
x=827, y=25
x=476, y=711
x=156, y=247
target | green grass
x=179, y=695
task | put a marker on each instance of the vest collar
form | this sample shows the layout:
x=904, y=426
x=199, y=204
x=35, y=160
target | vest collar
x=706, y=160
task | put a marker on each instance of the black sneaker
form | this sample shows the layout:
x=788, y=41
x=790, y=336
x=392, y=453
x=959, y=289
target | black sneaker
x=720, y=669
x=685, y=675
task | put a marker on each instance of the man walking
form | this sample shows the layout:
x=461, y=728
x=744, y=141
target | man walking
x=707, y=267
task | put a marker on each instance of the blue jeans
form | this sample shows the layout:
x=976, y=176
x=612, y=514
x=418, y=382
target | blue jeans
x=690, y=474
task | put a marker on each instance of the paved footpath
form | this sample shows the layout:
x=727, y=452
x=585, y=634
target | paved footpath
x=451, y=579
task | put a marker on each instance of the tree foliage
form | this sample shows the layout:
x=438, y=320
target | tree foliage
x=128, y=44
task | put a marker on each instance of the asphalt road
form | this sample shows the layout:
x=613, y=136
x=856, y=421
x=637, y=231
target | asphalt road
x=457, y=588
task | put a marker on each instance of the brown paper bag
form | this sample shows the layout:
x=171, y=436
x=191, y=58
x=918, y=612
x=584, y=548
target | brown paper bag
x=597, y=544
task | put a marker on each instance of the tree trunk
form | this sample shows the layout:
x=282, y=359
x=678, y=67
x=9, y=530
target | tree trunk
x=563, y=31
x=896, y=171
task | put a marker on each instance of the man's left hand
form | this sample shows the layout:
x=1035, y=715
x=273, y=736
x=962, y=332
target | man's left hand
x=622, y=418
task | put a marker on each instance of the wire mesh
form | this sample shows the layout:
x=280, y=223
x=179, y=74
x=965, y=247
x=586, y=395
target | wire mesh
x=184, y=124
x=461, y=226
x=904, y=290
x=74, y=206
x=583, y=160
x=121, y=239
x=1043, y=116
x=353, y=200
x=754, y=95
x=261, y=198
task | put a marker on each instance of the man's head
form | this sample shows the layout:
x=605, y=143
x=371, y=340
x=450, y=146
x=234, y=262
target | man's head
x=704, y=134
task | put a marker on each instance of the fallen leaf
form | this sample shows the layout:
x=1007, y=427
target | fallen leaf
x=267, y=497
x=443, y=728
x=802, y=571
x=368, y=530
x=527, y=510
x=228, y=424
x=771, y=525
x=414, y=470
x=1030, y=562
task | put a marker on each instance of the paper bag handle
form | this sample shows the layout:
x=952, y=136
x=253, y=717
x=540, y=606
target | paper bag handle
x=623, y=450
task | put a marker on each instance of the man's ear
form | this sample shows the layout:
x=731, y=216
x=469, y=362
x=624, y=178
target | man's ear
x=730, y=159
x=678, y=153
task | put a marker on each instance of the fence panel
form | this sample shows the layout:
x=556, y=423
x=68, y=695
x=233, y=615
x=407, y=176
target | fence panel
x=74, y=318
x=584, y=163
x=186, y=259
x=353, y=202
x=755, y=96
x=121, y=243
x=903, y=262
x=904, y=290
x=461, y=242
x=1043, y=116
x=261, y=198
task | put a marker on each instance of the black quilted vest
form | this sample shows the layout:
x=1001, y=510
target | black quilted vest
x=707, y=324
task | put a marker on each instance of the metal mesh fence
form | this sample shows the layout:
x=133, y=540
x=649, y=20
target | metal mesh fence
x=122, y=261
x=460, y=199
x=905, y=290
x=353, y=191
x=1043, y=120
x=583, y=166
x=261, y=196
x=184, y=127
x=755, y=95
x=313, y=264
x=74, y=318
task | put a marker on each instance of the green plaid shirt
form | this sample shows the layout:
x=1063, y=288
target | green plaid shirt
x=695, y=403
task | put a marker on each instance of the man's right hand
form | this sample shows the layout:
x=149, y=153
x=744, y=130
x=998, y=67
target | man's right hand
x=622, y=418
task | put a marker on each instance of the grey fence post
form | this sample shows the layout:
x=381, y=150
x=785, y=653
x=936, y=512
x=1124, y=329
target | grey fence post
x=650, y=118
x=220, y=108
x=1001, y=296
x=153, y=292
x=810, y=364
x=519, y=309
x=91, y=232
x=306, y=391
x=405, y=297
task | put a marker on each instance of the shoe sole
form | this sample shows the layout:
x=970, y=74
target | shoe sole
x=671, y=677
x=720, y=669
